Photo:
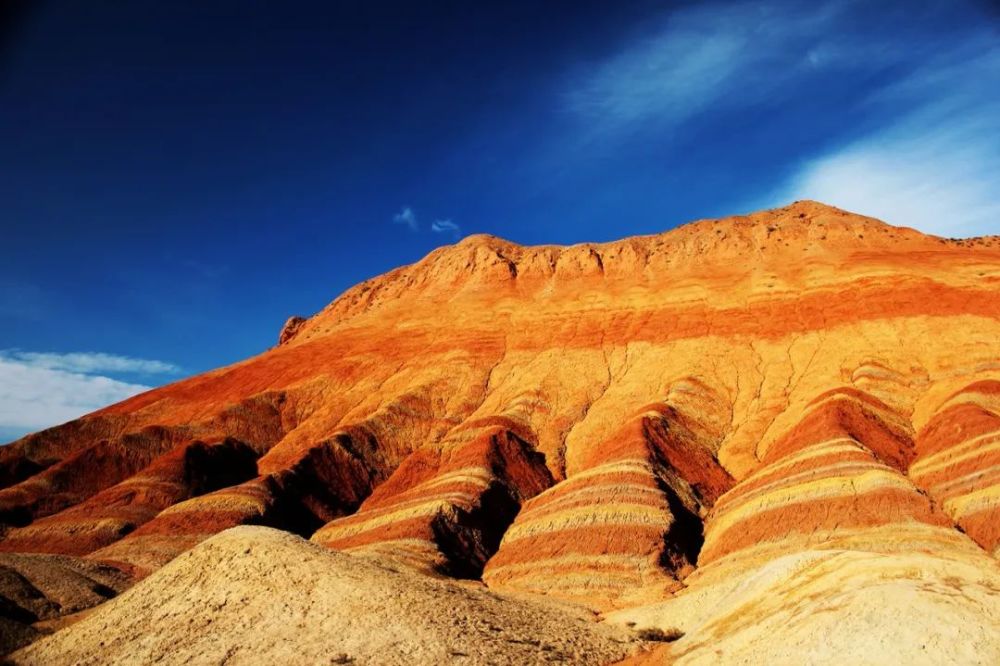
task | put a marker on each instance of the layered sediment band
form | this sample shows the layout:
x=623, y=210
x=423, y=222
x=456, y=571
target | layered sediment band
x=959, y=461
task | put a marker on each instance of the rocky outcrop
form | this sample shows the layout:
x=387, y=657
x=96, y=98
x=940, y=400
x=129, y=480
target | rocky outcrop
x=322, y=480
x=958, y=461
x=88, y=456
x=830, y=545
x=186, y=471
x=835, y=480
x=81, y=475
x=301, y=485
x=290, y=328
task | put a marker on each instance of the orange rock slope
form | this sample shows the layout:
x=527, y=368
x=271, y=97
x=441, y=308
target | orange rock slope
x=619, y=425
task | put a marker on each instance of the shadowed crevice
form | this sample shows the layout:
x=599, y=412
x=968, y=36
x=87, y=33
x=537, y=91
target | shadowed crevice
x=469, y=538
x=683, y=541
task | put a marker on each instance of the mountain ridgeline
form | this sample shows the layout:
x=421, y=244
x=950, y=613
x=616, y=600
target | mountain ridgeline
x=781, y=423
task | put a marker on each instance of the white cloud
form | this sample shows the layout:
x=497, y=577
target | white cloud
x=710, y=56
x=406, y=216
x=936, y=167
x=445, y=226
x=952, y=193
x=33, y=397
x=89, y=362
x=42, y=389
x=669, y=77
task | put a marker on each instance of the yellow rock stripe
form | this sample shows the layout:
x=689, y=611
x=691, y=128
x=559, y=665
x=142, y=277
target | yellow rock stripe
x=834, y=470
x=428, y=507
x=562, y=563
x=872, y=480
x=817, y=450
x=977, y=446
x=974, y=502
x=602, y=494
x=984, y=476
x=615, y=514
x=478, y=476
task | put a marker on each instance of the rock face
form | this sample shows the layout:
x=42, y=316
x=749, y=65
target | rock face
x=290, y=328
x=665, y=430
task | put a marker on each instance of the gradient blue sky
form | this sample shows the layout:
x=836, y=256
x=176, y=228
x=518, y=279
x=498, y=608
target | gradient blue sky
x=177, y=178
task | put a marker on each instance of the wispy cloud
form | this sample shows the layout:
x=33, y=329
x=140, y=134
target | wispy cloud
x=923, y=147
x=41, y=389
x=438, y=226
x=711, y=55
x=935, y=167
x=446, y=226
x=407, y=217
x=88, y=362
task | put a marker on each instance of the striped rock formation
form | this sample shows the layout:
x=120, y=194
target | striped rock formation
x=664, y=429
x=958, y=461
x=446, y=508
x=299, y=487
x=627, y=524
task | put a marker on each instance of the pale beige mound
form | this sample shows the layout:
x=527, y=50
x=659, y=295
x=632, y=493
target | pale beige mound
x=254, y=595
x=834, y=607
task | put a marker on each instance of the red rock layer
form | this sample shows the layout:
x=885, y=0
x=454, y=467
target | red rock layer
x=626, y=525
x=958, y=461
x=38, y=451
x=445, y=508
x=326, y=481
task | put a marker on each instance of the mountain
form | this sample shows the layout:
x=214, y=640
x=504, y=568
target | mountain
x=781, y=424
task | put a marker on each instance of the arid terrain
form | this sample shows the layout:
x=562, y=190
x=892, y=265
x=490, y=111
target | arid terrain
x=764, y=439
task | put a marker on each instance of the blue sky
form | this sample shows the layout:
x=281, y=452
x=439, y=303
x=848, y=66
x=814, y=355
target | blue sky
x=178, y=178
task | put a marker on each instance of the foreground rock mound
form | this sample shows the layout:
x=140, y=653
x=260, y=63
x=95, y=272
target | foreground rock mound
x=254, y=595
